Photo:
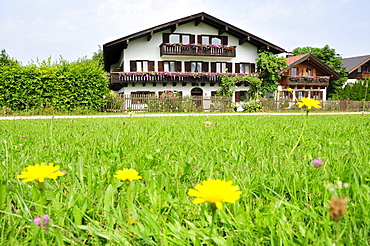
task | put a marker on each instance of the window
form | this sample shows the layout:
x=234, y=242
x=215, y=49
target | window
x=215, y=40
x=220, y=67
x=196, y=67
x=308, y=71
x=241, y=96
x=141, y=66
x=169, y=66
x=185, y=39
x=174, y=38
x=359, y=69
x=178, y=38
x=294, y=71
x=244, y=68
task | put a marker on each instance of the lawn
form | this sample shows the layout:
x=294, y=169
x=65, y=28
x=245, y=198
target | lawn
x=284, y=198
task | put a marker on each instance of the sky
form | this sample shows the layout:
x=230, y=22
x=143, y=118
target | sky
x=33, y=30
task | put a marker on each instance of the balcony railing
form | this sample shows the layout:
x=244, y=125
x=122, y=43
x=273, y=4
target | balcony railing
x=309, y=80
x=168, y=77
x=197, y=50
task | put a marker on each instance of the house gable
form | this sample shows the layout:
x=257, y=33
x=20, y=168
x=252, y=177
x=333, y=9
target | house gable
x=112, y=50
x=357, y=67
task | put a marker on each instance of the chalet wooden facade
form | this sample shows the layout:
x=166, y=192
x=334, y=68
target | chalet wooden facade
x=307, y=76
x=189, y=56
x=357, y=67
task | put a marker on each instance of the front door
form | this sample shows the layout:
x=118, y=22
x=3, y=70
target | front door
x=197, y=96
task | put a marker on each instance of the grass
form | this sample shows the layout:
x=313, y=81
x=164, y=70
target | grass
x=284, y=200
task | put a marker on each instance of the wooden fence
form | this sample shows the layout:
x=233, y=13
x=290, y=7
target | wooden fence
x=153, y=103
x=272, y=104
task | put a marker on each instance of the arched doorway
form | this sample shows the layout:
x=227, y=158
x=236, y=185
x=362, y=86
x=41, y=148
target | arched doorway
x=197, y=96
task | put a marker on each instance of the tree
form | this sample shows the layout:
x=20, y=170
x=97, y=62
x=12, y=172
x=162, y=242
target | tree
x=98, y=56
x=5, y=60
x=268, y=70
x=355, y=92
x=328, y=56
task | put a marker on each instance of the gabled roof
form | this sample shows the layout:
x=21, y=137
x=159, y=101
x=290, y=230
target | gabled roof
x=112, y=50
x=352, y=63
x=295, y=60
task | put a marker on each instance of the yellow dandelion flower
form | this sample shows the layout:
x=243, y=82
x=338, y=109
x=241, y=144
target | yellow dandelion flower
x=215, y=191
x=290, y=89
x=40, y=172
x=127, y=174
x=309, y=103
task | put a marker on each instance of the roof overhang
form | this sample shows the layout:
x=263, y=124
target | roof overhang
x=316, y=61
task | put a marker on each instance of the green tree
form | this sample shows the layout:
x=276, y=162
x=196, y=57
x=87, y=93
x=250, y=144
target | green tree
x=328, y=56
x=268, y=70
x=355, y=92
x=6, y=60
x=98, y=56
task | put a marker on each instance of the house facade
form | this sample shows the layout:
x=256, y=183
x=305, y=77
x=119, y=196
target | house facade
x=358, y=68
x=307, y=76
x=188, y=56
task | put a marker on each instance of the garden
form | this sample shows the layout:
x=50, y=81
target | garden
x=188, y=180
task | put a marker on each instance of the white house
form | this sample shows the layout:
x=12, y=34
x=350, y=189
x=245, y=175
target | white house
x=189, y=55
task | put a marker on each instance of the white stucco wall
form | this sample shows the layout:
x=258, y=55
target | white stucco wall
x=142, y=49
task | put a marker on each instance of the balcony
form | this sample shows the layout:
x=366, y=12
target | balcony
x=309, y=80
x=197, y=50
x=171, y=77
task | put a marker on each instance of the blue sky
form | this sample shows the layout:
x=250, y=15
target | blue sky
x=31, y=29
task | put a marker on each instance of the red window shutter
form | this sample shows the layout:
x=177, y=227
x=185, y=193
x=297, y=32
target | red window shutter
x=229, y=67
x=237, y=67
x=224, y=40
x=166, y=37
x=237, y=96
x=160, y=66
x=178, y=66
x=205, y=67
x=199, y=39
x=133, y=66
x=187, y=67
x=213, y=67
x=192, y=39
x=151, y=66
x=252, y=68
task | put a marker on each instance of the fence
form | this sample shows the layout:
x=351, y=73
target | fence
x=272, y=104
x=153, y=103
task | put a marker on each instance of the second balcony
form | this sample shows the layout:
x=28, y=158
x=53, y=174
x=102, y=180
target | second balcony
x=179, y=49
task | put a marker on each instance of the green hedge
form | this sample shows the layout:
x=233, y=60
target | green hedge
x=63, y=85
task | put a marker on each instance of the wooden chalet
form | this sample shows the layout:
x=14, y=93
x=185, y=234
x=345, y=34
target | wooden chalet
x=357, y=67
x=307, y=76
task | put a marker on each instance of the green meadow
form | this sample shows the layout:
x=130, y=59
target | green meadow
x=284, y=201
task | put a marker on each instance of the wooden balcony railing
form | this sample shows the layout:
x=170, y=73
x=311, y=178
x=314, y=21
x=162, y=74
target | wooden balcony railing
x=163, y=78
x=197, y=50
x=309, y=80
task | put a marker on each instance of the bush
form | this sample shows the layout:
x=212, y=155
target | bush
x=62, y=86
x=252, y=107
